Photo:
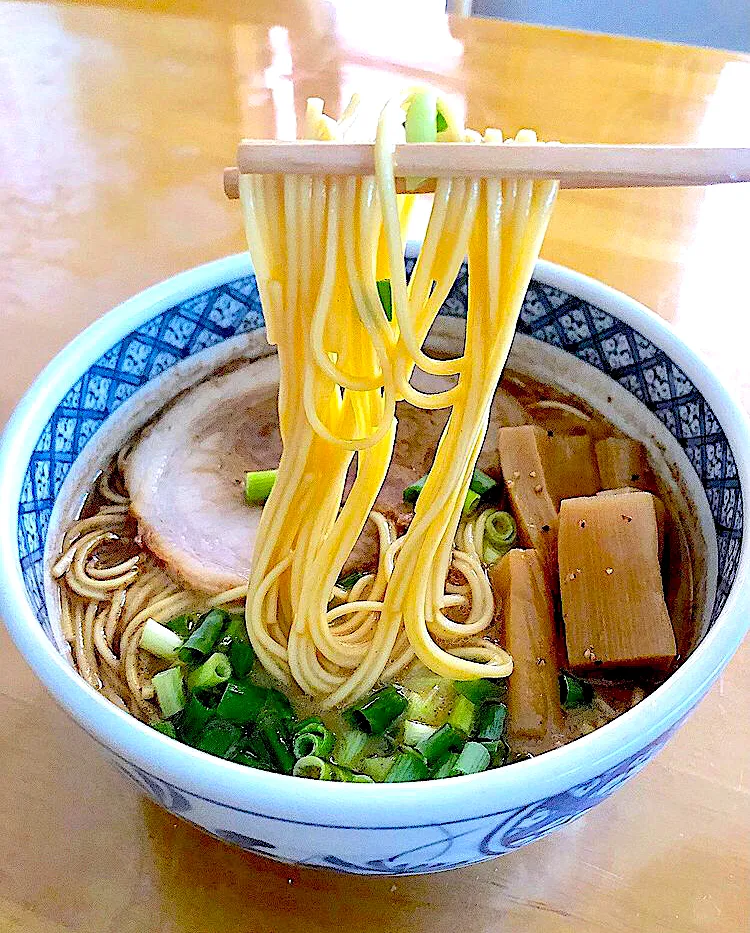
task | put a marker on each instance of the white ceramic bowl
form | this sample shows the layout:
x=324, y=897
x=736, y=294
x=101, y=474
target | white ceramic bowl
x=394, y=828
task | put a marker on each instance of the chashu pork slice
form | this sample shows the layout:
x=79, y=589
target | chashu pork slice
x=186, y=475
x=186, y=472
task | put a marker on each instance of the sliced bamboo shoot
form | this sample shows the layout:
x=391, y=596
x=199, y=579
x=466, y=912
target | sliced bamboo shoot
x=569, y=466
x=661, y=512
x=528, y=624
x=624, y=462
x=533, y=507
x=610, y=581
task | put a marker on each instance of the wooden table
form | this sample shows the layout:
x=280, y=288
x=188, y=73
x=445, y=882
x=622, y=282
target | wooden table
x=115, y=122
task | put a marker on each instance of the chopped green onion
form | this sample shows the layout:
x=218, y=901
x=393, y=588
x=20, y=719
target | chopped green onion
x=313, y=737
x=480, y=486
x=430, y=707
x=159, y=640
x=169, y=691
x=241, y=702
x=193, y=720
x=377, y=767
x=445, y=766
x=491, y=721
x=357, y=778
x=386, y=299
x=201, y=642
x=473, y=759
x=463, y=715
x=574, y=692
x=347, y=582
x=411, y=493
x=235, y=630
x=349, y=747
x=441, y=124
x=242, y=658
x=278, y=703
x=182, y=624
x=416, y=732
x=214, y=671
x=273, y=729
x=471, y=502
x=499, y=752
x=165, y=727
x=256, y=747
x=408, y=766
x=476, y=690
x=444, y=740
x=420, y=126
x=219, y=738
x=311, y=766
x=378, y=711
x=500, y=535
x=482, y=483
x=250, y=761
x=258, y=486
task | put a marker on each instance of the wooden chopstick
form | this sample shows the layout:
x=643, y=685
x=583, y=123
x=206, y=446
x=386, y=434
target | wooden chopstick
x=576, y=166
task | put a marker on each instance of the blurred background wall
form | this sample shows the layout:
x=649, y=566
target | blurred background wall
x=724, y=24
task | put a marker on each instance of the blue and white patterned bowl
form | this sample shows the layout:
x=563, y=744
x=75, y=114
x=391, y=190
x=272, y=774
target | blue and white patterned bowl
x=389, y=829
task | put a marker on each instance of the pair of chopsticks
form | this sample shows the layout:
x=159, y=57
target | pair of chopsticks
x=575, y=166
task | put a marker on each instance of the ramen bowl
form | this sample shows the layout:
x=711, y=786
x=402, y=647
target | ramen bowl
x=124, y=367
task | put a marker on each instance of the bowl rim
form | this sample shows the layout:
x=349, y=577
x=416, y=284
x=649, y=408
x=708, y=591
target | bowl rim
x=288, y=799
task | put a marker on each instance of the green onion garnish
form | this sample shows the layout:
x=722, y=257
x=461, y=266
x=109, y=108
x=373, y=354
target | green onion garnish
x=182, y=625
x=235, y=629
x=499, y=535
x=471, y=502
x=420, y=126
x=463, y=715
x=444, y=740
x=375, y=713
x=349, y=747
x=411, y=493
x=201, y=642
x=377, y=766
x=311, y=766
x=444, y=767
x=408, y=766
x=193, y=720
x=258, y=486
x=429, y=707
x=214, y=671
x=361, y=778
x=491, y=721
x=273, y=729
x=242, y=658
x=386, y=299
x=169, y=691
x=219, y=738
x=313, y=737
x=250, y=761
x=416, y=732
x=476, y=690
x=472, y=759
x=482, y=483
x=347, y=582
x=278, y=703
x=499, y=752
x=241, y=702
x=441, y=124
x=165, y=727
x=574, y=692
x=159, y=640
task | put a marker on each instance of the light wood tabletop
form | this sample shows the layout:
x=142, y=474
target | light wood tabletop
x=116, y=120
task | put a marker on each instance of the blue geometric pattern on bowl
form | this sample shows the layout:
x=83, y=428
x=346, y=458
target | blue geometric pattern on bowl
x=548, y=314
x=436, y=846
